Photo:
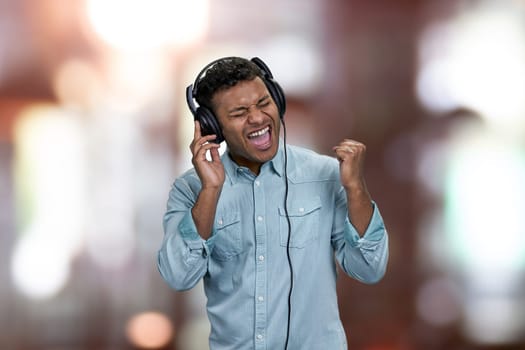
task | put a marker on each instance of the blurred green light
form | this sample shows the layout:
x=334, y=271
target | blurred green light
x=484, y=205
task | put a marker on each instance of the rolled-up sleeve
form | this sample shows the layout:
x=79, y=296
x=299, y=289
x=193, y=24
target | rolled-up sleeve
x=183, y=255
x=364, y=258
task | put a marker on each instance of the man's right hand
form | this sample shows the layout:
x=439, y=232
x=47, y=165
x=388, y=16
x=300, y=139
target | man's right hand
x=210, y=172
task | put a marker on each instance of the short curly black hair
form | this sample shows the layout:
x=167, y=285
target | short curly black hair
x=223, y=74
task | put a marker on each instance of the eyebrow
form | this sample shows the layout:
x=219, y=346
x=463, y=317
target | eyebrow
x=243, y=108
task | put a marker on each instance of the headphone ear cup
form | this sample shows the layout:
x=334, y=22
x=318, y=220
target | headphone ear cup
x=273, y=87
x=277, y=94
x=209, y=124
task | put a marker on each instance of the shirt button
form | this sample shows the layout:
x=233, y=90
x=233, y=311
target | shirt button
x=261, y=257
x=260, y=298
x=257, y=183
x=259, y=336
x=301, y=210
x=219, y=222
x=259, y=218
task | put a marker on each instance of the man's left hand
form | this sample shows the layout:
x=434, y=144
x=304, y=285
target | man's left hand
x=351, y=156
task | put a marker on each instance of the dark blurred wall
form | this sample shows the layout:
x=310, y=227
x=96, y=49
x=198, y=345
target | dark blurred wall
x=368, y=96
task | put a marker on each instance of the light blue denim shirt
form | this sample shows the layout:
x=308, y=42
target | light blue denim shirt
x=244, y=263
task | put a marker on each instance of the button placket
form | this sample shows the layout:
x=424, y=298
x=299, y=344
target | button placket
x=260, y=262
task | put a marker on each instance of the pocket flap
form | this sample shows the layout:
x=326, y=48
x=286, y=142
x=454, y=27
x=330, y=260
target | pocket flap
x=226, y=219
x=301, y=207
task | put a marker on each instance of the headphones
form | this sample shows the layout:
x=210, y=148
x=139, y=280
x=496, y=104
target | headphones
x=208, y=121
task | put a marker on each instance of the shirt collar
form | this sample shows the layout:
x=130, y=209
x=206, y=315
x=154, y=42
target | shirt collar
x=233, y=170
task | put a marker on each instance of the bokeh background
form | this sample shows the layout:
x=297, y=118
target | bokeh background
x=94, y=128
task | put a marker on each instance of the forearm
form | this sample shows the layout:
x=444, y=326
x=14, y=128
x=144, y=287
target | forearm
x=203, y=212
x=360, y=207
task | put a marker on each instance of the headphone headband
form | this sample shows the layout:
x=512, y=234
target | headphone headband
x=204, y=70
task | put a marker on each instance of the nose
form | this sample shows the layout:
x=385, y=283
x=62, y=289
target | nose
x=255, y=115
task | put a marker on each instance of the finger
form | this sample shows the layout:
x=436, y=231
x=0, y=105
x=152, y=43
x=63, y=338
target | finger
x=215, y=156
x=197, y=133
x=348, y=153
x=203, y=140
x=351, y=147
x=344, y=149
x=351, y=142
x=201, y=152
x=340, y=153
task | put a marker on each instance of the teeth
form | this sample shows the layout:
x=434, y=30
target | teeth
x=260, y=132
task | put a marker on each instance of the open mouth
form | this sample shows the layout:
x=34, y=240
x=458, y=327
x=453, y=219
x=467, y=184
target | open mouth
x=259, y=133
x=261, y=139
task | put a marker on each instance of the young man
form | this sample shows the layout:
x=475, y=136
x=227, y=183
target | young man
x=264, y=224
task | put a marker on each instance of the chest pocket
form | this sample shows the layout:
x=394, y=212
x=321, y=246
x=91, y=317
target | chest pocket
x=304, y=220
x=227, y=237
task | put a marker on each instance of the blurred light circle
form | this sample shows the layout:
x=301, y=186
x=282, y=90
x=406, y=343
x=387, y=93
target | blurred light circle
x=78, y=83
x=39, y=266
x=149, y=330
x=142, y=24
x=477, y=61
x=437, y=302
x=285, y=51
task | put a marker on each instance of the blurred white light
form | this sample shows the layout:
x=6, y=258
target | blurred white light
x=493, y=320
x=50, y=170
x=477, y=61
x=148, y=24
x=295, y=63
x=432, y=90
x=485, y=203
x=110, y=230
x=40, y=264
x=139, y=80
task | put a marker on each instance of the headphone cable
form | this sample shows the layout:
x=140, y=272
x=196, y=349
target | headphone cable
x=288, y=239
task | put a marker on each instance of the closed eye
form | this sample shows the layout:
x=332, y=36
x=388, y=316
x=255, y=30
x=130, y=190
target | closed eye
x=239, y=112
x=264, y=103
x=242, y=111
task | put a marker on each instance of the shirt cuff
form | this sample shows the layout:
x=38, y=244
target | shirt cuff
x=191, y=237
x=374, y=232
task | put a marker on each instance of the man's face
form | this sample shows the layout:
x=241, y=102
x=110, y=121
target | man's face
x=250, y=122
